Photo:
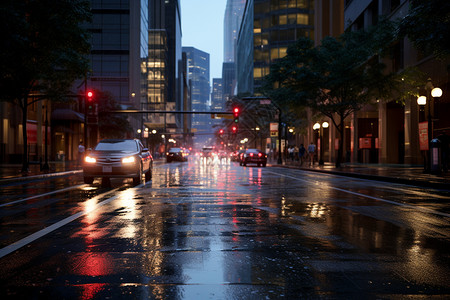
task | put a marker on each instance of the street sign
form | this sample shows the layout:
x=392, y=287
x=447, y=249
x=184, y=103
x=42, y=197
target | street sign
x=273, y=129
x=222, y=116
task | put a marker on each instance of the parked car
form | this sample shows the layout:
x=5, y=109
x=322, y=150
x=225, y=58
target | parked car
x=176, y=154
x=254, y=156
x=118, y=158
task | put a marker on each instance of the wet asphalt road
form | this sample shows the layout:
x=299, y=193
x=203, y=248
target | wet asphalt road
x=224, y=232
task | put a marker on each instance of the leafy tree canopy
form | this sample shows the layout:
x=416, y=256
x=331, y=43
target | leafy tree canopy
x=338, y=77
x=110, y=125
x=43, y=46
x=427, y=26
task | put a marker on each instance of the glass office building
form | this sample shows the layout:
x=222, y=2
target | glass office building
x=198, y=69
x=268, y=27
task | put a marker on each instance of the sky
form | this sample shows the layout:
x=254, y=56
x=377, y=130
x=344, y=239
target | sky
x=202, y=28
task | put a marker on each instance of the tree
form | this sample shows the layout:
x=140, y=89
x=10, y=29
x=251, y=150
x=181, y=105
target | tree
x=43, y=50
x=336, y=78
x=110, y=125
x=427, y=26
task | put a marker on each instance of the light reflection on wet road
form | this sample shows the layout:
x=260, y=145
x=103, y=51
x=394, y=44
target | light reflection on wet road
x=230, y=232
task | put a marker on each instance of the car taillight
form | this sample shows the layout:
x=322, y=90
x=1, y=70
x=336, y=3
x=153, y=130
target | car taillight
x=251, y=154
x=259, y=154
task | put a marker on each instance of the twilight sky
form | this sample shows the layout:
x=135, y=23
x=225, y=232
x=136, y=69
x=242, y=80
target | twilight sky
x=202, y=28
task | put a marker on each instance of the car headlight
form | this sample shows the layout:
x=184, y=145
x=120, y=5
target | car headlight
x=127, y=160
x=90, y=159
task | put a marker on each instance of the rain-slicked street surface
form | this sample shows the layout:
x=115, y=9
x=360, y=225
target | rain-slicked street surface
x=201, y=231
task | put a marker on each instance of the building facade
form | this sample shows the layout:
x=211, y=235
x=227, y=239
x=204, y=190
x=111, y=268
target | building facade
x=267, y=29
x=390, y=127
x=198, y=70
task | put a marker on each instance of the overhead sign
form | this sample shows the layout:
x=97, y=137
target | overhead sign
x=221, y=116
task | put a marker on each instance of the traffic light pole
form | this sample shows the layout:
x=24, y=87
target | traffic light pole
x=85, y=113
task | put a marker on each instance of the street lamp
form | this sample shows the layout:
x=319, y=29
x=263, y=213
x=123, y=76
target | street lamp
x=46, y=167
x=431, y=93
x=318, y=127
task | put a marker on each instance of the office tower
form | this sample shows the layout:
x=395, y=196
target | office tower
x=267, y=29
x=198, y=70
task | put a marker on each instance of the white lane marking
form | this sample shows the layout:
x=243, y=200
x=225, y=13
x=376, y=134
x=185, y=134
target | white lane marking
x=25, y=241
x=42, y=195
x=427, y=210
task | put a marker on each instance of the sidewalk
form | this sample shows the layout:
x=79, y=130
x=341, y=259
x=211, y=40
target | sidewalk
x=404, y=174
x=12, y=172
x=396, y=173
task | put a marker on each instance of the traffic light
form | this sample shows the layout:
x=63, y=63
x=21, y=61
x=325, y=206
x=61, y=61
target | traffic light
x=234, y=129
x=236, y=112
x=90, y=96
x=90, y=101
x=221, y=132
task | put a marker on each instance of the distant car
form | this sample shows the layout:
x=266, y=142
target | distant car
x=118, y=158
x=254, y=156
x=176, y=154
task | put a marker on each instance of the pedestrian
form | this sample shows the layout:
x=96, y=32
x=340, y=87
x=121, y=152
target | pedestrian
x=445, y=140
x=291, y=153
x=296, y=153
x=81, y=151
x=311, y=153
x=301, y=153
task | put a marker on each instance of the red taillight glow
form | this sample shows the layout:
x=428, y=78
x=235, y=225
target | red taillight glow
x=251, y=154
x=259, y=154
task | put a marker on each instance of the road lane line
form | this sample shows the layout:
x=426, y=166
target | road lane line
x=25, y=241
x=372, y=197
x=43, y=195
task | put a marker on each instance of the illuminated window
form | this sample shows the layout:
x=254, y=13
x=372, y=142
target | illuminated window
x=257, y=73
x=302, y=19
x=283, y=52
x=283, y=19
x=274, y=54
x=292, y=19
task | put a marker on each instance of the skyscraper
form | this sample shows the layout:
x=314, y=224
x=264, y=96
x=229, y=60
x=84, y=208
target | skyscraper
x=165, y=67
x=198, y=69
x=267, y=29
x=232, y=22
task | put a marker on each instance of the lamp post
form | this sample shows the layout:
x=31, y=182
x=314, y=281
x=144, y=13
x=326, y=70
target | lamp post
x=319, y=129
x=46, y=167
x=431, y=93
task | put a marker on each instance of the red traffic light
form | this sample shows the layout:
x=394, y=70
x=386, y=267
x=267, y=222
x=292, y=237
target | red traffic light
x=90, y=95
x=221, y=131
x=234, y=129
x=236, y=112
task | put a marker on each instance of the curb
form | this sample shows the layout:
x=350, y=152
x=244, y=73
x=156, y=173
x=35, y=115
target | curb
x=40, y=176
x=421, y=183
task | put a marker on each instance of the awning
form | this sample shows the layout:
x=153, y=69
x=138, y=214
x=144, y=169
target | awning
x=65, y=114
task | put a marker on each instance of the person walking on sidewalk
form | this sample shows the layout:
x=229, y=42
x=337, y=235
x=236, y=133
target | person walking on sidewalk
x=311, y=153
x=445, y=140
x=81, y=150
x=301, y=153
